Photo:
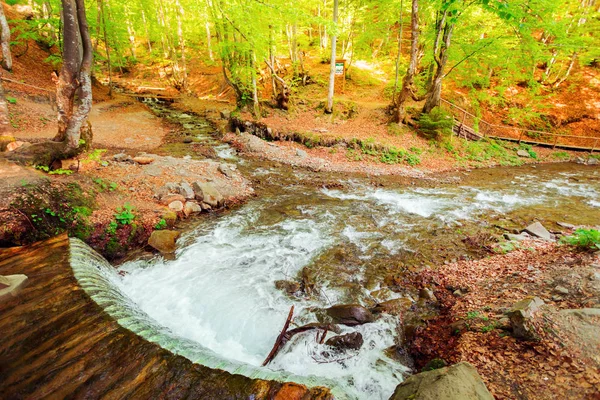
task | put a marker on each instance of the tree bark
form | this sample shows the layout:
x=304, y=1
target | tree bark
x=434, y=93
x=4, y=115
x=5, y=41
x=408, y=80
x=331, y=90
x=74, y=76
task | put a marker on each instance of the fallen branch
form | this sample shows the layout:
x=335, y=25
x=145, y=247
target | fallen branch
x=280, y=339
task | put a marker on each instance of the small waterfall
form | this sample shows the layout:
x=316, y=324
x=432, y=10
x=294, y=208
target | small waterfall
x=98, y=278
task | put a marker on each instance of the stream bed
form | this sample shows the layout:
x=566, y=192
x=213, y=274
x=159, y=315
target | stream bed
x=348, y=233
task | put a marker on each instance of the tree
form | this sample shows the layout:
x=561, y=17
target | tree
x=75, y=78
x=331, y=89
x=408, y=81
x=5, y=41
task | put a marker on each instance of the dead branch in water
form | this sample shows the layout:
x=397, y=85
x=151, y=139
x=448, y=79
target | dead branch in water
x=280, y=339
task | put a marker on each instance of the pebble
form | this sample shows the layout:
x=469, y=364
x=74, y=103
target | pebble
x=561, y=290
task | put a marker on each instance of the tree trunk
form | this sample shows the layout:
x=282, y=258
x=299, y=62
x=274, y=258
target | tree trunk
x=407, y=82
x=4, y=115
x=102, y=11
x=331, y=90
x=208, y=42
x=434, y=93
x=75, y=74
x=180, y=14
x=401, y=31
x=5, y=41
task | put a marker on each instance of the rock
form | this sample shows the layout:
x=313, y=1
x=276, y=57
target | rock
x=143, y=160
x=176, y=206
x=207, y=193
x=561, y=290
x=168, y=199
x=536, y=229
x=186, y=190
x=504, y=324
x=205, y=207
x=583, y=313
x=580, y=160
x=457, y=293
x=595, y=276
x=434, y=364
x=187, y=140
x=301, y=153
x=523, y=153
x=5, y=140
x=427, y=295
x=170, y=218
x=349, y=341
x=457, y=382
x=350, y=314
x=382, y=295
x=565, y=225
x=592, y=161
x=153, y=170
x=393, y=307
x=521, y=315
x=290, y=287
x=226, y=170
x=121, y=157
x=164, y=241
x=517, y=238
x=12, y=146
x=237, y=131
x=191, y=207
x=225, y=114
x=10, y=285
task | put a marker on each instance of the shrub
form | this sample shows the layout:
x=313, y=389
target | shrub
x=437, y=124
x=585, y=239
x=125, y=214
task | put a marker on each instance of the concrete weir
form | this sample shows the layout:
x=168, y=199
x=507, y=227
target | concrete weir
x=59, y=341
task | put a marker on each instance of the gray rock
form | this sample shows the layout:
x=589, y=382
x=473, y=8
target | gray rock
x=592, y=161
x=186, y=190
x=565, y=225
x=121, y=157
x=225, y=114
x=207, y=193
x=457, y=382
x=10, y=285
x=176, y=206
x=517, y=238
x=521, y=316
x=226, y=170
x=301, y=153
x=583, y=312
x=205, y=207
x=153, y=170
x=349, y=341
x=523, y=153
x=561, y=290
x=350, y=314
x=164, y=241
x=580, y=160
x=191, y=207
x=536, y=229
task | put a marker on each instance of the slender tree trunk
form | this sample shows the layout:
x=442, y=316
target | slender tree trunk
x=408, y=80
x=331, y=90
x=7, y=63
x=106, y=45
x=180, y=14
x=145, y=22
x=130, y=32
x=208, y=42
x=401, y=31
x=4, y=115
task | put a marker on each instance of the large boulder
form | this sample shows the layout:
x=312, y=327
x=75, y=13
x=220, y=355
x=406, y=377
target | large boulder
x=350, y=314
x=207, y=193
x=164, y=241
x=521, y=317
x=457, y=382
x=349, y=341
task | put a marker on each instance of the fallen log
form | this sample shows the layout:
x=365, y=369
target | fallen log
x=278, y=342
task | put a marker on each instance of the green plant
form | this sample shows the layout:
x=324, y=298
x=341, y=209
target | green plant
x=437, y=124
x=529, y=149
x=125, y=215
x=472, y=314
x=162, y=224
x=488, y=328
x=112, y=227
x=11, y=100
x=585, y=239
x=561, y=155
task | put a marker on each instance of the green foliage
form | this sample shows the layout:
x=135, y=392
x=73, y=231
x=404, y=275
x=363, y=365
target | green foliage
x=561, y=155
x=584, y=239
x=529, y=150
x=59, y=171
x=11, y=100
x=437, y=124
x=393, y=155
x=125, y=215
x=162, y=224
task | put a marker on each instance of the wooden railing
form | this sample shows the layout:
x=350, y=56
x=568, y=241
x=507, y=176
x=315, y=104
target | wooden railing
x=472, y=127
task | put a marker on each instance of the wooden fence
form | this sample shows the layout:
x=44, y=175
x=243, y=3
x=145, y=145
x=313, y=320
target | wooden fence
x=472, y=127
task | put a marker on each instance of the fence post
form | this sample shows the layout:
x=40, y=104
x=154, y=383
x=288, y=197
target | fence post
x=594, y=146
x=555, y=141
x=521, y=136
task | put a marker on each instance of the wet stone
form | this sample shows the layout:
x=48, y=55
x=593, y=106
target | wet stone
x=349, y=341
x=350, y=314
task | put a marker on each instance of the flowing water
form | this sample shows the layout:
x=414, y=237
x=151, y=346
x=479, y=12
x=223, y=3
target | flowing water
x=219, y=293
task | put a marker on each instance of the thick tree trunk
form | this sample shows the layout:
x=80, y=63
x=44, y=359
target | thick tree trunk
x=5, y=41
x=434, y=93
x=74, y=76
x=331, y=90
x=407, y=82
